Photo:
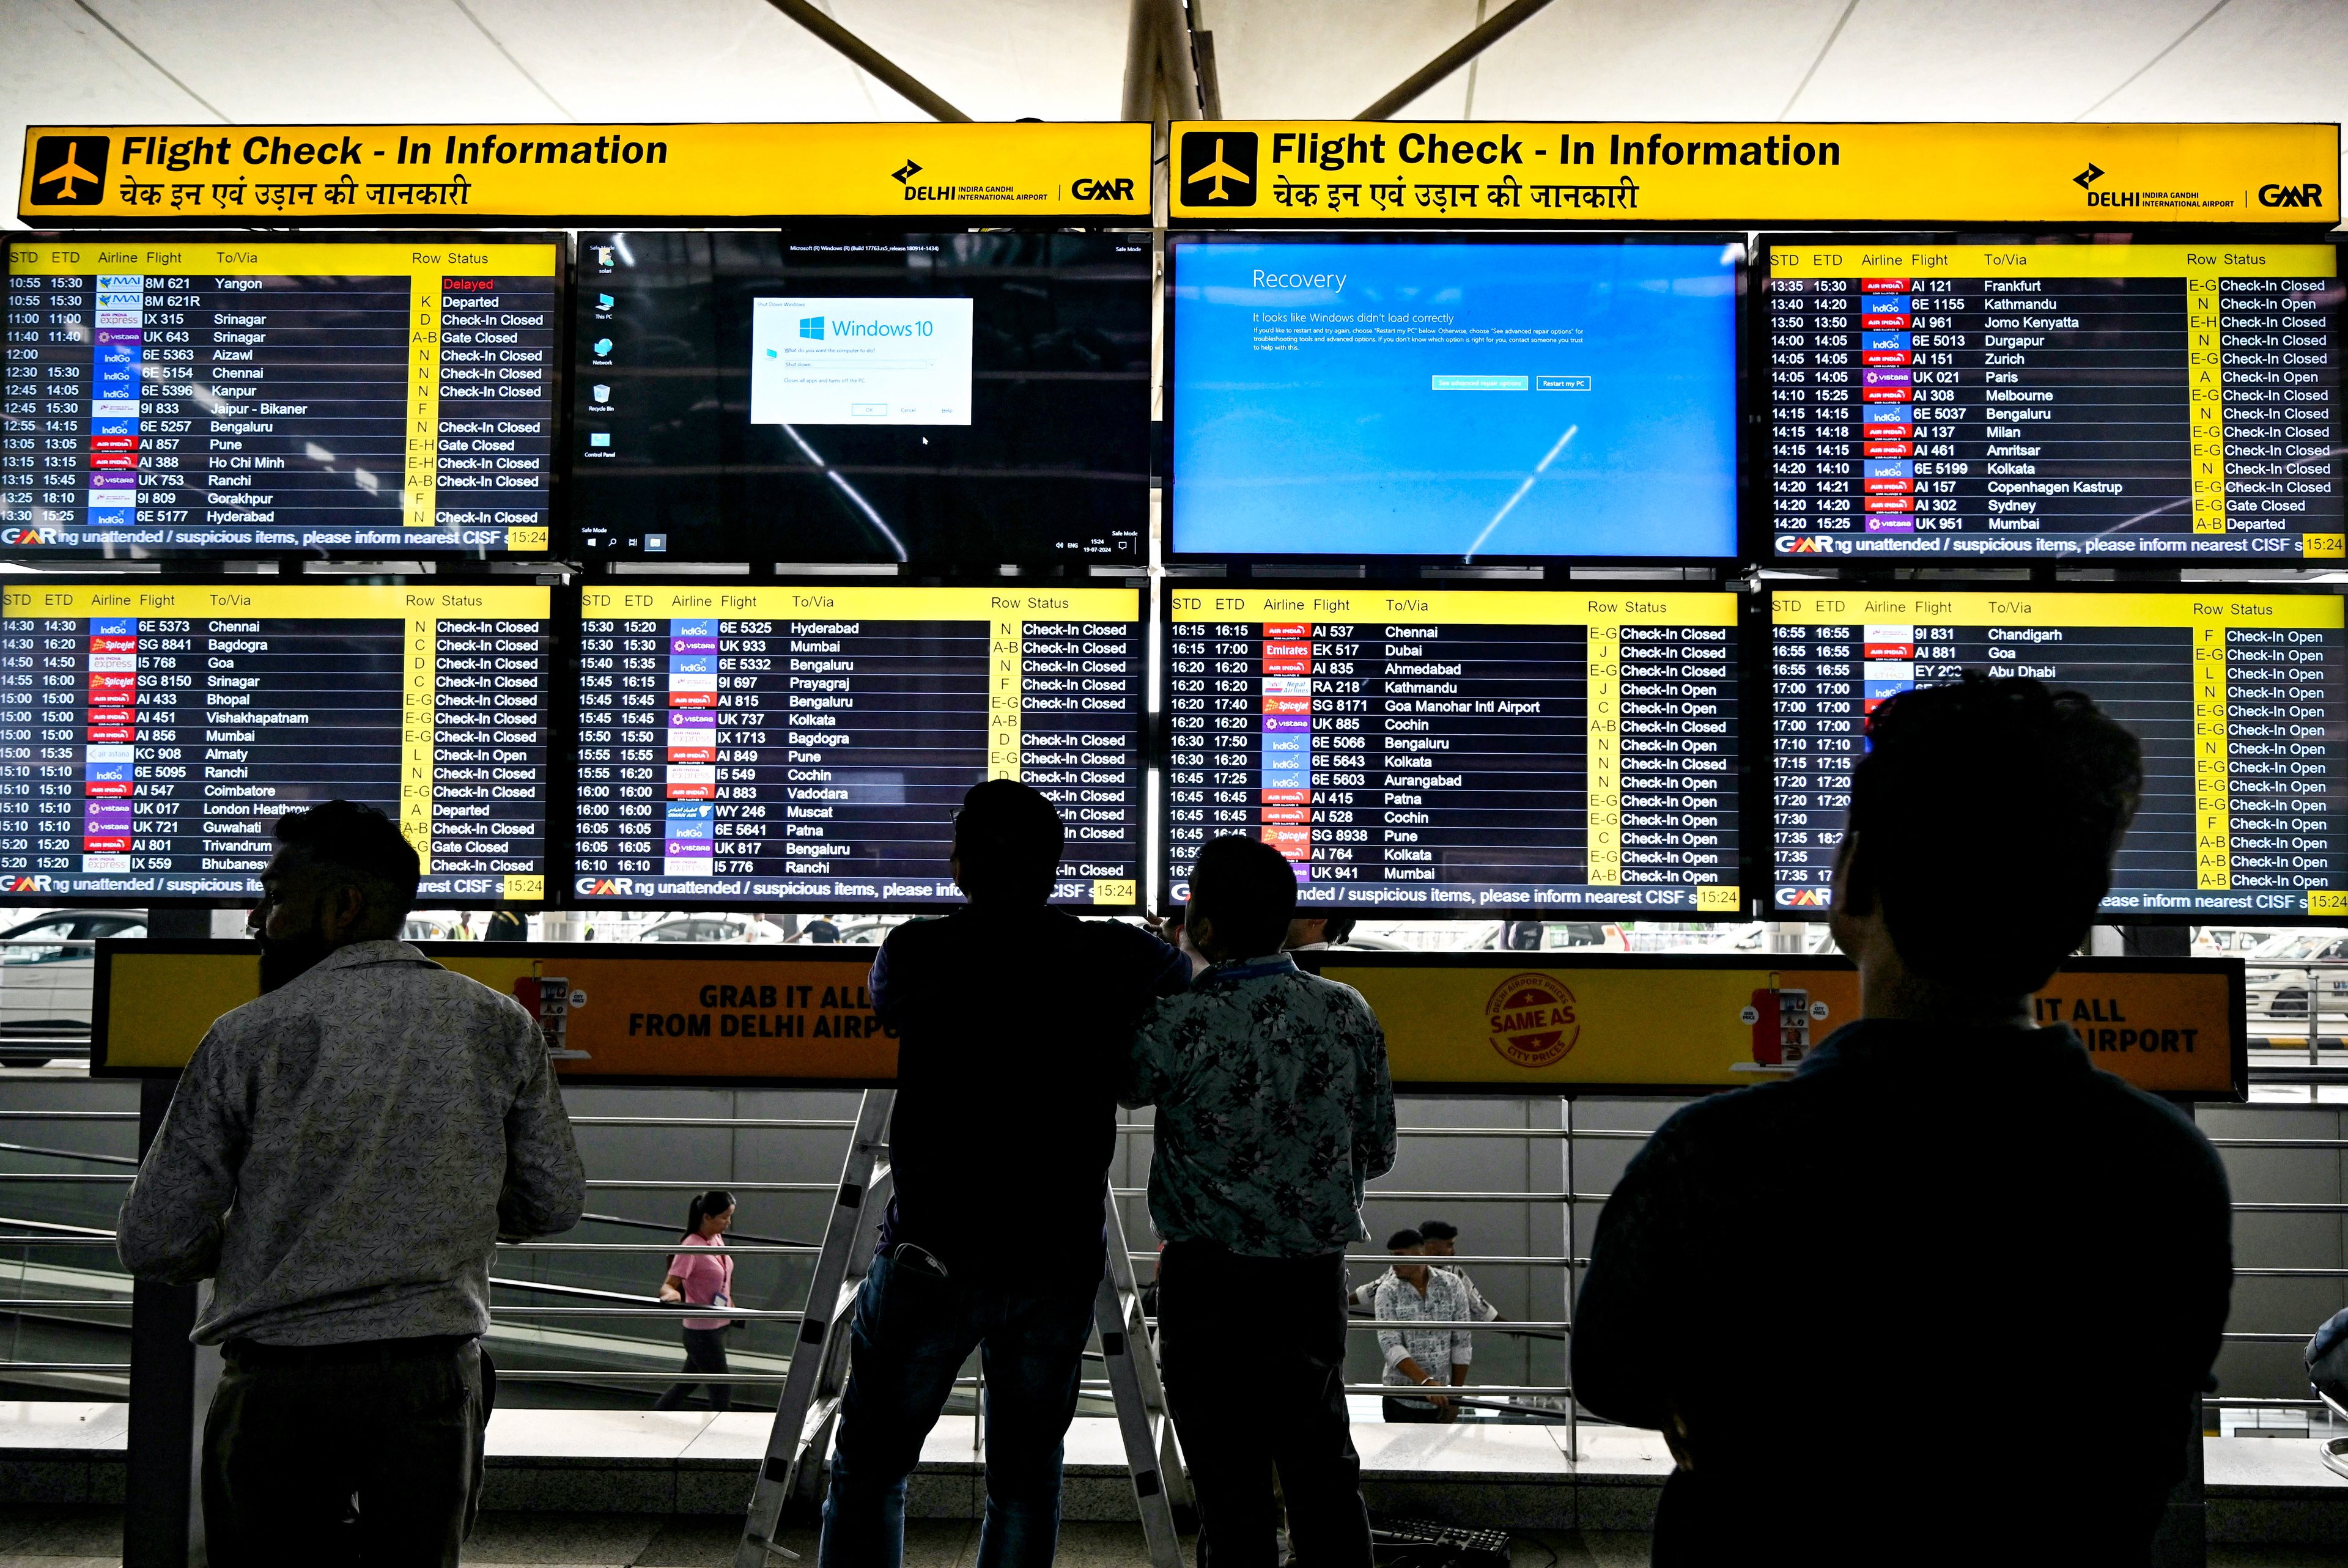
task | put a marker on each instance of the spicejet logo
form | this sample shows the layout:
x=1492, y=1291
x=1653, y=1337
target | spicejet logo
x=70, y=170
x=1531, y=1020
x=605, y=886
x=2308, y=195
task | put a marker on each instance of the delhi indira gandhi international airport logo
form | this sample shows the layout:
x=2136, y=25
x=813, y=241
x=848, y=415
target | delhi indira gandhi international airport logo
x=1218, y=168
x=1531, y=1020
x=70, y=170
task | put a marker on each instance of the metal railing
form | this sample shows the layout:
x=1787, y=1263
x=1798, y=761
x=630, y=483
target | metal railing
x=561, y=1304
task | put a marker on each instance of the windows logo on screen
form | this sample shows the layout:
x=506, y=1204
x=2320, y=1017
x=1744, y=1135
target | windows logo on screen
x=812, y=327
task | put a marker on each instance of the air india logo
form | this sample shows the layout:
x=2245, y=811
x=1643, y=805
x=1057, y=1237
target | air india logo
x=1531, y=1020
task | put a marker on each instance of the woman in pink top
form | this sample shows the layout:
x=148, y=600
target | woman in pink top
x=702, y=1276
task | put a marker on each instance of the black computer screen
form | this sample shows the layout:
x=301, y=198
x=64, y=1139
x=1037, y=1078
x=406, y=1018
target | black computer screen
x=970, y=399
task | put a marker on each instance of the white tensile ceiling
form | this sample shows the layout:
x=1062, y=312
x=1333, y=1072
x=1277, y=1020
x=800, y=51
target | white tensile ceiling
x=390, y=61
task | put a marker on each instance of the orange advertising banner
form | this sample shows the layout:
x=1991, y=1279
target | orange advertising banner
x=1455, y=1023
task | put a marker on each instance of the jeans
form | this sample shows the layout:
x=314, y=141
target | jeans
x=1292, y=1424
x=1410, y=1413
x=705, y=1351
x=296, y=1433
x=911, y=1333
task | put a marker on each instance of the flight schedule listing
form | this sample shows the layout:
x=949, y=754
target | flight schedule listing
x=2105, y=402
x=150, y=735
x=233, y=397
x=1461, y=750
x=811, y=744
x=2238, y=699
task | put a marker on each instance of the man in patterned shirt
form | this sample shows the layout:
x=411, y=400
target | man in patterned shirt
x=1411, y=1292
x=1273, y=1108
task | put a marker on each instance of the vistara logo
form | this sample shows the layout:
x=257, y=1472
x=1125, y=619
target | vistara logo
x=2087, y=176
x=905, y=175
x=70, y=170
x=1531, y=1020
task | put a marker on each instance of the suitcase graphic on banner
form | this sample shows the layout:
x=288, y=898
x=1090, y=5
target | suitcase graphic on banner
x=1779, y=1016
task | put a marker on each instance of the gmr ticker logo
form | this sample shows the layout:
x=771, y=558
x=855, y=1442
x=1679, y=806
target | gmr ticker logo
x=605, y=887
x=2308, y=195
x=812, y=327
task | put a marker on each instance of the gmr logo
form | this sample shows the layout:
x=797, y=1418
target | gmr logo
x=2308, y=195
x=605, y=886
x=1102, y=190
x=29, y=884
x=31, y=535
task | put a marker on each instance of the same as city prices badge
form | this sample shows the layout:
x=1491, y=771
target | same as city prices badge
x=1531, y=1020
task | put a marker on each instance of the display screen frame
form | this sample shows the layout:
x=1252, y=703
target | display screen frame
x=560, y=723
x=1748, y=638
x=766, y=560
x=562, y=876
x=1758, y=505
x=1740, y=368
x=558, y=468
x=1765, y=781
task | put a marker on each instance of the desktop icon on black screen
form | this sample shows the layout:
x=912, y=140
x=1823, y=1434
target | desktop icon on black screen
x=1223, y=163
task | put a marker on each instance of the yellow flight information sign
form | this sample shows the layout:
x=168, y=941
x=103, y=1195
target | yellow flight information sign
x=224, y=397
x=1244, y=172
x=2239, y=699
x=1527, y=1024
x=160, y=730
x=2046, y=402
x=1680, y=1025
x=1461, y=750
x=458, y=173
x=810, y=745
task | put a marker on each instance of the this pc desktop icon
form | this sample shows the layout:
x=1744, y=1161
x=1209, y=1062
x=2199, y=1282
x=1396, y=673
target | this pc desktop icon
x=603, y=302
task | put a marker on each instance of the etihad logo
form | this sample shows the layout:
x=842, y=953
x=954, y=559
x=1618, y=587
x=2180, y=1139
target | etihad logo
x=70, y=170
x=1530, y=1021
x=2308, y=195
x=905, y=175
x=1213, y=162
x=2087, y=176
x=605, y=886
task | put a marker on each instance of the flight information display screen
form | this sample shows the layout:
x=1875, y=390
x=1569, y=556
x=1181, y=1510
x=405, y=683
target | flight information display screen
x=1349, y=395
x=1461, y=750
x=152, y=733
x=2240, y=700
x=221, y=397
x=2055, y=400
x=810, y=745
x=965, y=399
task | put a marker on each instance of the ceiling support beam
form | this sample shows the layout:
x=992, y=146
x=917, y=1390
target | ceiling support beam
x=1161, y=73
x=869, y=59
x=1503, y=22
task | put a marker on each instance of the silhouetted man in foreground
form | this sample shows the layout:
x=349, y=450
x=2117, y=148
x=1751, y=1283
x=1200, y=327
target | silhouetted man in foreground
x=340, y=1157
x=1947, y=1294
x=1012, y=1021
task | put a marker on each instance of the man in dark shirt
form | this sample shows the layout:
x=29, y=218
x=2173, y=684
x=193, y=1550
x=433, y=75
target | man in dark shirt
x=1947, y=1219
x=1012, y=1020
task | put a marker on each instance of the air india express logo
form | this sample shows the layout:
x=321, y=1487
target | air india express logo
x=1531, y=1020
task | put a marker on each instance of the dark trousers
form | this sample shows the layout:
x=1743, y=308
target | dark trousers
x=705, y=1352
x=1277, y=1410
x=911, y=1333
x=1410, y=1414
x=295, y=1434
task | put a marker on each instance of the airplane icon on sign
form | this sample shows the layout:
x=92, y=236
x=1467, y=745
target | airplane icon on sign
x=1220, y=170
x=68, y=175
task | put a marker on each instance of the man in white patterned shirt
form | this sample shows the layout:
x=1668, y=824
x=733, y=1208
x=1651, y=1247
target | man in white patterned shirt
x=1412, y=1292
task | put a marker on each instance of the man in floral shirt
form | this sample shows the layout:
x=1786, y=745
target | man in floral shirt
x=1273, y=1108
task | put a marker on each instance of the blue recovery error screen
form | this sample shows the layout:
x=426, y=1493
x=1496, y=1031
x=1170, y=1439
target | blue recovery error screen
x=1450, y=399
